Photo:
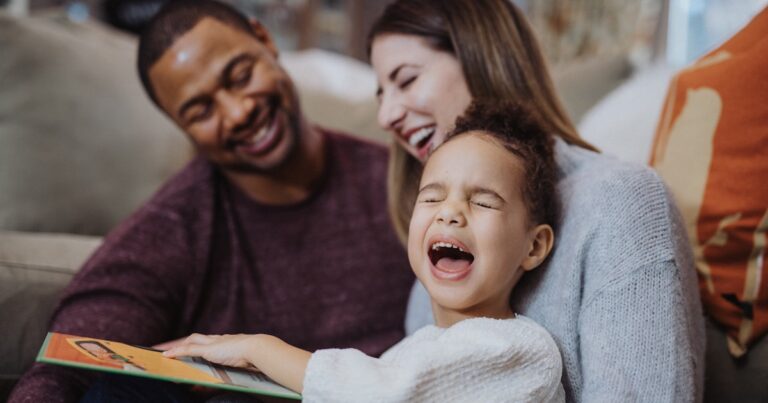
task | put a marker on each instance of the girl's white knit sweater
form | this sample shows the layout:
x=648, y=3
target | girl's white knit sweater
x=475, y=360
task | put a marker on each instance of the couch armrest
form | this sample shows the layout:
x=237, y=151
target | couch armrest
x=34, y=268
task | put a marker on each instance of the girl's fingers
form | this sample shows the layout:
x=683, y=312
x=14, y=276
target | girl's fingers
x=194, y=338
x=193, y=346
x=197, y=338
x=172, y=353
x=169, y=344
x=187, y=350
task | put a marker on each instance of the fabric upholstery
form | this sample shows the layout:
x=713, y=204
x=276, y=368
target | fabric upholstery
x=33, y=270
x=80, y=143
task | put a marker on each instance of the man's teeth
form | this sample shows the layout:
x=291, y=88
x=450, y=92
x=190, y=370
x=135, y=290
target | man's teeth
x=437, y=245
x=420, y=135
x=259, y=134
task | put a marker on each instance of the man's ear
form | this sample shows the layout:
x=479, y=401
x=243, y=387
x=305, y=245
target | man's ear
x=541, y=244
x=263, y=35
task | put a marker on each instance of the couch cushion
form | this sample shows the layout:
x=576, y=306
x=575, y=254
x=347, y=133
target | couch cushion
x=711, y=147
x=336, y=91
x=33, y=270
x=624, y=122
x=80, y=144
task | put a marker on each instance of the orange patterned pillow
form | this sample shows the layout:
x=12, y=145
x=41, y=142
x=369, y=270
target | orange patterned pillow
x=711, y=148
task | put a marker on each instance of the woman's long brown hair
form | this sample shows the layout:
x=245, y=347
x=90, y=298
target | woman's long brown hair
x=500, y=59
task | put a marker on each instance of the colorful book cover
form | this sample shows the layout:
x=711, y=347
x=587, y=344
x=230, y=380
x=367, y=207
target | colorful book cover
x=114, y=357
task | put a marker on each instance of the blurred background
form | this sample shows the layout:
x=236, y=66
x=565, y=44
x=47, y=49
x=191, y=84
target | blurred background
x=613, y=38
x=568, y=29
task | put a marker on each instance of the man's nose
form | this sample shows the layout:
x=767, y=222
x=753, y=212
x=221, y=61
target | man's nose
x=451, y=213
x=234, y=110
x=391, y=113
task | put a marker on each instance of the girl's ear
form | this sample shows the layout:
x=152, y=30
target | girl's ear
x=541, y=244
x=263, y=36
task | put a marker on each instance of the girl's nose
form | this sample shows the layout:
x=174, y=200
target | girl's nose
x=451, y=214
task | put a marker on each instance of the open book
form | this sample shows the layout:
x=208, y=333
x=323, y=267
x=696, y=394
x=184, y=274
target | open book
x=110, y=356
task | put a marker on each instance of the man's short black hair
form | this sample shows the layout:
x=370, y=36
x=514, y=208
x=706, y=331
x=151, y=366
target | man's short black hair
x=175, y=19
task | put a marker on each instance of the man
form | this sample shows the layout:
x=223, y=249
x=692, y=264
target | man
x=276, y=227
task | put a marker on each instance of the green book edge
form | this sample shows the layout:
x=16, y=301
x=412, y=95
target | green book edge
x=42, y=358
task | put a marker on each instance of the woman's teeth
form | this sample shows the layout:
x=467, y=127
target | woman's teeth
x=420, y=136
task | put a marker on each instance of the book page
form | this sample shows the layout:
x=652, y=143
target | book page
x=110, y=356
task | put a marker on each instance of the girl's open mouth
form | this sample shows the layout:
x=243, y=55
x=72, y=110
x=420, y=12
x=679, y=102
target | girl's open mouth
x=449, y=261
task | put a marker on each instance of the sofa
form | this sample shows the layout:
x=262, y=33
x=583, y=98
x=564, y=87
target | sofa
x=81, y=146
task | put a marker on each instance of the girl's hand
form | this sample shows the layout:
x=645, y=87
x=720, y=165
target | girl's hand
x=169, y=344
x=229, y=350
x=279, y=360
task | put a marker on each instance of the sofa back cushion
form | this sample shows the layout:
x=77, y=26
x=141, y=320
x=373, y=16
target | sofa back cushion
x=711, y=147
x=80, y=143
x=33, y=270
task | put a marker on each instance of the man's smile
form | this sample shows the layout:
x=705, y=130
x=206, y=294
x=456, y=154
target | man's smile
x=260, y=133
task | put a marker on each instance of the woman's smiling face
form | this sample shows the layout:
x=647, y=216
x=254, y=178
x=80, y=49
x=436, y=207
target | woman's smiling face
x=421, y=91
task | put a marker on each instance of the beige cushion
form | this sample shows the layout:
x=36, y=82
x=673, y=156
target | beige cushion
x=336, y=91
x=582, y=83
x=80, y=144
x=33, y=270
x=623, y=123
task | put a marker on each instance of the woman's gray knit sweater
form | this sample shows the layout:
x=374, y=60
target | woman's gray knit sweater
x=619, y=293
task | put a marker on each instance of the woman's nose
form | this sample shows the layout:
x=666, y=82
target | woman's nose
x=391, y=113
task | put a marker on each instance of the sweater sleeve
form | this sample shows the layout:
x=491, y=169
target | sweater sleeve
x=646, y=355
x=475, y=360
x=129, y=290
x=640, y=325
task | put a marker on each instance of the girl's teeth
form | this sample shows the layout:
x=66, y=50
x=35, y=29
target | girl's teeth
x=445, y=245
x=420, y=135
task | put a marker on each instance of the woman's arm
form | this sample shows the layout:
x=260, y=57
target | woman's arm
x=282, y=362
x=637, y=340
x=640, y=327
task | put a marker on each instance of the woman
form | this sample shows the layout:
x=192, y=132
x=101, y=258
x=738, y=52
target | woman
x=619, y=294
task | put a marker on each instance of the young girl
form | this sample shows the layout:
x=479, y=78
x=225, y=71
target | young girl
x=484, y=215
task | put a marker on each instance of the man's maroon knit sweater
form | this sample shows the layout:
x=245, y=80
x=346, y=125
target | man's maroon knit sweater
x=201, y=256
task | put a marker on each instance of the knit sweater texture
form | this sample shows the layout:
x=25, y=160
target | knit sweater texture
x=619, y=292
x=475, y=360
x=202, y=257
